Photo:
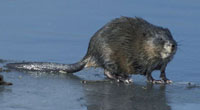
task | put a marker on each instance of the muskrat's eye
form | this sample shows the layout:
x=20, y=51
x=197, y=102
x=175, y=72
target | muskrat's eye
x=160, y=39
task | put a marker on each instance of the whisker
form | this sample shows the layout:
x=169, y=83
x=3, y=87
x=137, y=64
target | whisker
x=179, y=43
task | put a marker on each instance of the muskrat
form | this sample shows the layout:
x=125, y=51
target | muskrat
x=122, y=47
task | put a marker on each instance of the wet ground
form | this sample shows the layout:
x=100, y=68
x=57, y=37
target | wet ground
x=59, y=31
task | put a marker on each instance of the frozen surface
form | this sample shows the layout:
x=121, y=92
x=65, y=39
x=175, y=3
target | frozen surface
x=59, y=31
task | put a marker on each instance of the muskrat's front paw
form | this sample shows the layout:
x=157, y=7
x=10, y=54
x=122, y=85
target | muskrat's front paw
x=158, y=82
x=167, y=81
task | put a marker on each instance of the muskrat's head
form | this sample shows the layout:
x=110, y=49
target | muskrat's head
x=162, y=43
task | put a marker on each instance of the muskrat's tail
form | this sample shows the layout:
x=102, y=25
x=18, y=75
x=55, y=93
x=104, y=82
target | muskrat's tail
x=47, y=67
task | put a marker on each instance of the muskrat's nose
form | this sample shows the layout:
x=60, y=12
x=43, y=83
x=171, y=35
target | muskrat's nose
x=173, y=47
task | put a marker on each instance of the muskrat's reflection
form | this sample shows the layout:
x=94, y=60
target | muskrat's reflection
x=104, y=96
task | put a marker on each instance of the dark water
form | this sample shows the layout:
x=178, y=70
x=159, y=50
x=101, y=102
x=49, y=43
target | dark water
x=59, y=31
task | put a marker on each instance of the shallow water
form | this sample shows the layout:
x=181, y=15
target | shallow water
x=59, y=31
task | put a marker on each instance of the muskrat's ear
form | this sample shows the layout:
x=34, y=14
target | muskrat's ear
x=146, y=34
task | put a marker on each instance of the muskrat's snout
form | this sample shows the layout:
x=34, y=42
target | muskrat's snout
x=169, y=49
x=171, y=45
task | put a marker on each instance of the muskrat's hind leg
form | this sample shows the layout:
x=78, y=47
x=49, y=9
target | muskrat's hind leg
x=117, y=77
x=108, y=74
x=123, y=78
x=112, y=73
